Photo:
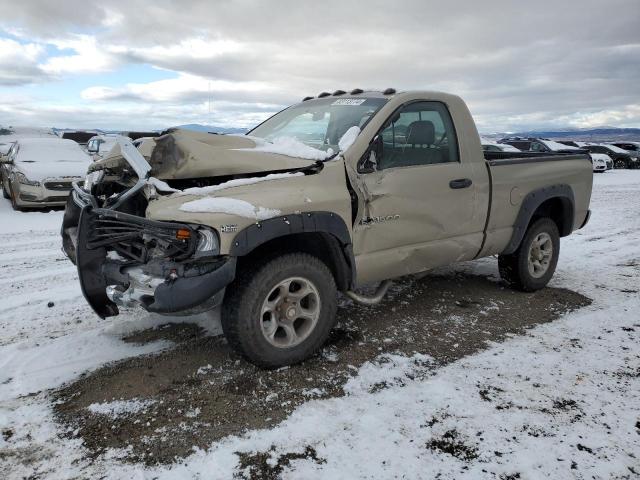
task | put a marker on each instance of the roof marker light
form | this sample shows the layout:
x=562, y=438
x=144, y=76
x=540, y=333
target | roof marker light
x=389, y=91
x=324, y=94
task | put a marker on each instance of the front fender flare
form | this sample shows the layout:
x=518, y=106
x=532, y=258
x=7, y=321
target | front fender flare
x=309, y=222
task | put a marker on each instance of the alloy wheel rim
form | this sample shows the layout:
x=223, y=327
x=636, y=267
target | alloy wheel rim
x=540, y=254
x=290, y=312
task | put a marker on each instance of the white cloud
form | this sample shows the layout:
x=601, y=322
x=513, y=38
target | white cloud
x=183, y=88
x=88, y=56
x=19, y=62
x=559, y=62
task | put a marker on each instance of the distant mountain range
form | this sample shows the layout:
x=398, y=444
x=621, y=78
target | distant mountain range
x=597, y=134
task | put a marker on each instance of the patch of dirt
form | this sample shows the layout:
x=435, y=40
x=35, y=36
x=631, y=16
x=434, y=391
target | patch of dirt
x=451, y=444
x=203, y=391
x=264, y=466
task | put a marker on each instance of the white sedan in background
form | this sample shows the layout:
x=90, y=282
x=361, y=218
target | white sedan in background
x=601, y=162
x=38, y=172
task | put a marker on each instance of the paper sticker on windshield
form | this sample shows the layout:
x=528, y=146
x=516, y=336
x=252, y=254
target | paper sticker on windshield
x=349, y=101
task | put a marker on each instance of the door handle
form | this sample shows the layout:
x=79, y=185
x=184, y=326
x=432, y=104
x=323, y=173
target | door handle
x=460, y=183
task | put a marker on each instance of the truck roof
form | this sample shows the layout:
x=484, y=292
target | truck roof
x=356, y=92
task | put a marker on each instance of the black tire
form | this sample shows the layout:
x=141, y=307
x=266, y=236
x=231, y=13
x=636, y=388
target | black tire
x=242, y=317
x=14, y=204
x=514, y=268
x=620, y=163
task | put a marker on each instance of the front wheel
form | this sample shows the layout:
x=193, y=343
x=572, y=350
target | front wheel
x=281, y=311
x=14, y=198
x=532, y=265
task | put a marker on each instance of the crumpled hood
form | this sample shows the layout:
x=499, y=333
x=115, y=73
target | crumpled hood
x=182, y=154
x=230, y=207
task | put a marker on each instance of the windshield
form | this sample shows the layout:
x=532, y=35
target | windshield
x=319, y=123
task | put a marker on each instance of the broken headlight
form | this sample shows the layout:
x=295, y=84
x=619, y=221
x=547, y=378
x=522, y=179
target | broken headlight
x=208, y=243
x=92, y=178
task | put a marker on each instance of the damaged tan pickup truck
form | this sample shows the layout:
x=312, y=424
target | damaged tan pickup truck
x=329, y=194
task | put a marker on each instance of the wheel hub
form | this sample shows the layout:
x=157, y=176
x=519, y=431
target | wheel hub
x=290, y=312
x=540, y=254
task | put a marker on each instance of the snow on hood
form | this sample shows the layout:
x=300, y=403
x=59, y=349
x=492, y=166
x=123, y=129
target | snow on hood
x=292, y=147
x=600, y=156
x=289, y=146
x=40, y=158
x=238, y=182
x=556, y=146
x=230, y=206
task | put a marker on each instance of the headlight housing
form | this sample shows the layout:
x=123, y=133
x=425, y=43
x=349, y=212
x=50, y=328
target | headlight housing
x=91, y=179
x=208, y=243
x=25, y=181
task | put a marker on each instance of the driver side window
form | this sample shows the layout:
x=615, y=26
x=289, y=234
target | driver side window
x=421, y=133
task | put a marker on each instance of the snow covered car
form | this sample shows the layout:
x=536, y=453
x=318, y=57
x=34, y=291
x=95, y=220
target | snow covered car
x=38, y=172
x=631, y=147
x=330, y=194
x=492, y=146
x=540, y=145
x=600, y=162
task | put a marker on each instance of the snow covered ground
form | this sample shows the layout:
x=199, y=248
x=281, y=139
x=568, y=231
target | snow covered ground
x=561, y=401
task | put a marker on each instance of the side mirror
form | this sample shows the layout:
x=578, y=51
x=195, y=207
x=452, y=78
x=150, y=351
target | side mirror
x=92, y=148
x=371, y=158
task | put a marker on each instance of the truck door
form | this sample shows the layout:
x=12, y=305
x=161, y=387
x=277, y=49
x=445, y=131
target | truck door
x=421, y=207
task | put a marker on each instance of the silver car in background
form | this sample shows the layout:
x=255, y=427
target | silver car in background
x=38, y=172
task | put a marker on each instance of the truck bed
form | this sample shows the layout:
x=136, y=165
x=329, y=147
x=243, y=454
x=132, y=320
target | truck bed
x=514, y=175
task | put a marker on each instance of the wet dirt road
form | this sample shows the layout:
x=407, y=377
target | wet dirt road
x=200, y=391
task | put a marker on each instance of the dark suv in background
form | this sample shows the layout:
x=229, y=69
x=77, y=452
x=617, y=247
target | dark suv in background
x=621, y=157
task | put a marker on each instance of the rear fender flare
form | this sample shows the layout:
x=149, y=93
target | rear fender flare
x=530, y=204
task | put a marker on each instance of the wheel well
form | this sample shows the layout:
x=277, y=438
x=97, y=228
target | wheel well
x=558, y=209
x=323, y=246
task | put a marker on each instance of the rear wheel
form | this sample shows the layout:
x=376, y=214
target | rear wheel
x=532, y=265
x=620, y=163
x=281, y=311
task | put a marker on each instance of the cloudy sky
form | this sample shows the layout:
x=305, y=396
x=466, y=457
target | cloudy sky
x=151, y=64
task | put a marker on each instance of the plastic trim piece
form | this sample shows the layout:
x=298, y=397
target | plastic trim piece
x=311, y=222
x=530, y=204
x=189, y=292
x=90, y=262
